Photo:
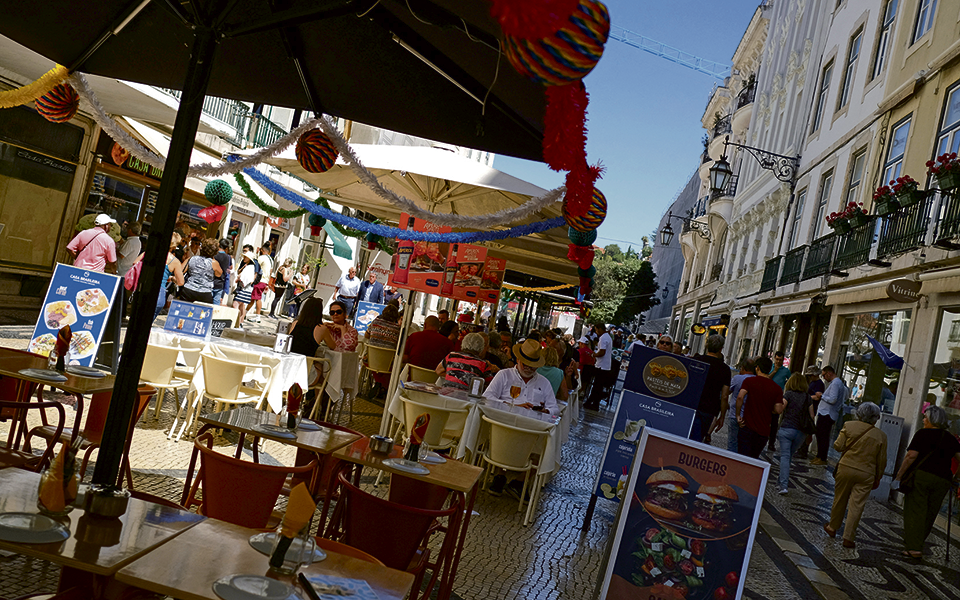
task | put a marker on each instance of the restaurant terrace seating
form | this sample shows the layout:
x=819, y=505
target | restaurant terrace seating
x=159, y=370
x=510, y=448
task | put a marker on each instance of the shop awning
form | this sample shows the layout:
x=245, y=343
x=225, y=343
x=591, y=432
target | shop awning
x=786, y=308
x=341, y=247
x=860, y=293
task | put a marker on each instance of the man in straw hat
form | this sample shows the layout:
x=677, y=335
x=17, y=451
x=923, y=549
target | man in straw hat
x=522, y=385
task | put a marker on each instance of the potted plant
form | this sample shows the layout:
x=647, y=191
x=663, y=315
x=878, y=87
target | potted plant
x=856, y=214
x=839, y=222
x=885, y=201
x=907, y=191
x=946, y=168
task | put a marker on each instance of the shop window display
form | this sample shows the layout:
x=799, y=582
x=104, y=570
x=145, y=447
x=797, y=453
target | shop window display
x=860, y=365
x=944, y=384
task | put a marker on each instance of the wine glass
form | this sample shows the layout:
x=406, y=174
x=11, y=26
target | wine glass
x=514, y=393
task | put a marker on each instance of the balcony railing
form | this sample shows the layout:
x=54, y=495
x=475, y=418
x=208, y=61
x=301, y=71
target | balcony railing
x=264, y=132
x=722, y=127
x=746, y=96
x=700, y=208
x=705, y=157
x=770, y=272
x=793, y=265
x=730, y=192
x=906, y=229
x=854, y=247
x=819, y=256
x=231, y=112
x=948, y=226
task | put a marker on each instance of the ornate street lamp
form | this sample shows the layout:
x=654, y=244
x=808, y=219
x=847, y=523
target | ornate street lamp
x=666, y=234
x=783, y=167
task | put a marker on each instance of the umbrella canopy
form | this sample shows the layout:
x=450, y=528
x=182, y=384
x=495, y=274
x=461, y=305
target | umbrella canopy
x=422, y=67
x=443, y=182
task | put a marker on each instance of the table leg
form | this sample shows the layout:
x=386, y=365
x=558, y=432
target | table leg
x=450, y=568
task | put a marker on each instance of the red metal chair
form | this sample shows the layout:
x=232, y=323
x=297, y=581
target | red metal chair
x=394, y=533
x=319, y=487
x=239, y=492
x=333, y=546
x=12, y=457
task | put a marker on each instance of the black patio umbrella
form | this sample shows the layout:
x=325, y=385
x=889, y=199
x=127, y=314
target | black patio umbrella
x=430, y=68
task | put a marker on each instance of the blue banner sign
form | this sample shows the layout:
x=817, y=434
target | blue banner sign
x=366, y=313
x=671, y=377
x=188, y=319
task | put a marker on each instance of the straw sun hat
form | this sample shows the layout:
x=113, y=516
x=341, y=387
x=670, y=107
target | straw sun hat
x=528, y=353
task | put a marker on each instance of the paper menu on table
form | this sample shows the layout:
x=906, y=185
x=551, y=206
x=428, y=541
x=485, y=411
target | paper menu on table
x=325, y=586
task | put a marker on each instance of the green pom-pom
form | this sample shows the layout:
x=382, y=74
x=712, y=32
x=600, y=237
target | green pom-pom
x=587, y=272
x=316, y=220
x=582, y=238
x=373, y=238
x=218, y=192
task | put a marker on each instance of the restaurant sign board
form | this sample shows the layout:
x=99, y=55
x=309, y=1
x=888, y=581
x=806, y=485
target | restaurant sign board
x=688, y=524
x=906, y=291
x=672, y=377
x=366, y=313
x=186, y=318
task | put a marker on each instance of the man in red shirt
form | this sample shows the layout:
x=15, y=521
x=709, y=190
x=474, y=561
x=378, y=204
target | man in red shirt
x=427, y=348
x=759, y=397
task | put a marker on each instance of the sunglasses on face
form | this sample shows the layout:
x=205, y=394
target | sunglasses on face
x=336, y=312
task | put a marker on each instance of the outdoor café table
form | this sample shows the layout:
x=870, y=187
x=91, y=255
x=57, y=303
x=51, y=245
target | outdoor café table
x=441, y=397
x=143, y=527
x=453, y=475
x=187, y=568
x=12, y=362
x=244, y=419
x=292, y=368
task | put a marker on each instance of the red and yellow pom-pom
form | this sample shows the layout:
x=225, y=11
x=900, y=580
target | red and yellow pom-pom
x=589, y=219
x=315, y=152
x=524, y=19
x=568, y=54
x=59, y=104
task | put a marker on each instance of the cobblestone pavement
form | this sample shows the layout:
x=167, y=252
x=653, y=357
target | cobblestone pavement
x=553, y=558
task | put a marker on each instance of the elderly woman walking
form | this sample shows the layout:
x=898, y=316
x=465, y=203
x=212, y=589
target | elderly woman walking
x=929, y=454
x=863, y=457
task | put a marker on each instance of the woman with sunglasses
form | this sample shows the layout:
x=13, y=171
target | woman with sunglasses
x=339, y=336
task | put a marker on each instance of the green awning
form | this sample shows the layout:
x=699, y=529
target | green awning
x=341, y=247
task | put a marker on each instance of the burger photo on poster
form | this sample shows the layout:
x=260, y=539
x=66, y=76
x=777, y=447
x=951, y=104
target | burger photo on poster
x=666, y=495
x=712, y=506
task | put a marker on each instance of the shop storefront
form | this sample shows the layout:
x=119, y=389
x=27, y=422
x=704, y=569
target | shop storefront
x=870, y=355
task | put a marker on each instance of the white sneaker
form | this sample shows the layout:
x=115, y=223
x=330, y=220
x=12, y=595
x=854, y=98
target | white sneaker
x=783, y=492
x=255, y=318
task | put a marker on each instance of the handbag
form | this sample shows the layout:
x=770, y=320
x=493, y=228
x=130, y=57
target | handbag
x=850, y=445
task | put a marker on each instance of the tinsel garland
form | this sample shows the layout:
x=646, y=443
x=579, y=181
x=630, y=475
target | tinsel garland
x=32, y=91
x=552, y=288
x=277, y=213
x=395, y=232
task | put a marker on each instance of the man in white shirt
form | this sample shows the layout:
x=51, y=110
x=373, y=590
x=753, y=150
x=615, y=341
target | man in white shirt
x=828, y=412
x=605, y=376
x=522, y=385
x=347, y=289
x=130, y=250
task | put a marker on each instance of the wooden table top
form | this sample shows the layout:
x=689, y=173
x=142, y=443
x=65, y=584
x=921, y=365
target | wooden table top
x=245, y=418
x=453, y=474
x=95, y=545
x=187, y=568
x=11, y=362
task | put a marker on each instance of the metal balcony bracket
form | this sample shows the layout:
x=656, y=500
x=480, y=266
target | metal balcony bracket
x=880, y=263
x=839, y=273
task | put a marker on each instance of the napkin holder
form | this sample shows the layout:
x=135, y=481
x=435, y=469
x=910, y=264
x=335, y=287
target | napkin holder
x=106, y=501
x=381, y=444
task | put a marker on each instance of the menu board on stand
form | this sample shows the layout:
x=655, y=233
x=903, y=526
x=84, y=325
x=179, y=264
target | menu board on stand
x=688, y=522
x=78, y=298
x=366, y=313
x=192, y=320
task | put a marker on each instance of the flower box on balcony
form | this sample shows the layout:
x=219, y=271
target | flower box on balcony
x=841, y=225
x=859, y=219
x=946, y=168
x=887, y=205
x=948, y=181
x=909, y=197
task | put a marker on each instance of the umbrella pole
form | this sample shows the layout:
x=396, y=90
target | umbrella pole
x=158, y=243
x=395, y=370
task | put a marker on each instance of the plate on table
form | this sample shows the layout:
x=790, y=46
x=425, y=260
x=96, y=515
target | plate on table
x=275, y=431
x=308, y=425
x=432, y=458
x=252, y=587
x=31, y=528
x=407, y=466
x=82, y=371
x=264, y=543
x=45, y=374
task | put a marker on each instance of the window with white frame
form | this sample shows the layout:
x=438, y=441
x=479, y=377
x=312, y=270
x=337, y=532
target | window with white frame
x=949, y=138
x=883, y=40
x=797, y=215
x=819, y=219
x=856, y=175
x=925, y=14
x=898, y=147
x=822, y=96
x=853, y=55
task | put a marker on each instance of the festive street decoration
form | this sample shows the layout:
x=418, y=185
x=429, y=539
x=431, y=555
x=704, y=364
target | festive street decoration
x=316, y=223
x=589, y=219
x=277, y=213
x=588, y=272
x=218, y=192
x=582, y=255
x=582, y=238
x=373, y=240
x=315, y=152
x=526, y=19
x=212, y=214
x=32, y=91
x=519, y=288
x=59, y=104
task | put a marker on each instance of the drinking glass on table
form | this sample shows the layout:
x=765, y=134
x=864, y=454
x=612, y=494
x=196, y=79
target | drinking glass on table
x=514, y=393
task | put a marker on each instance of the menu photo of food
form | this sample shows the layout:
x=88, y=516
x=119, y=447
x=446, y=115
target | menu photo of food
x=58, y=314
x=427, y=257
x=82, y=345
x=92, y=302
x=690, y=523
x=43, y=344
x=368, y=317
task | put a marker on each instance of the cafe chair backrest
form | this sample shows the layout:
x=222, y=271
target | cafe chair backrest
x=222, y=377
x=187, y=347
x=17, y=458
x=334, y=546
x=421, y=374
x=512, y=446
x=159, y=363
x=379, y=360
x=240, y=492
x=438, y=418
x=416, y=493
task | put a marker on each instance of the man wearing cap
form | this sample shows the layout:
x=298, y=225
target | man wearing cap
x=94, y=249
x=534, y=390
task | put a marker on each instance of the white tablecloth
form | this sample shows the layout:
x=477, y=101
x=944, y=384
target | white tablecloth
x=344, y=370
x=287, y=368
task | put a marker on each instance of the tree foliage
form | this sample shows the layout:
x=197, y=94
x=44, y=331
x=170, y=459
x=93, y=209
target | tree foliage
x=624, y=286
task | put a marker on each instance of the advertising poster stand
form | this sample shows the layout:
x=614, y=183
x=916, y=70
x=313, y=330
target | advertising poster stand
x=189, y=319
x=688, y=522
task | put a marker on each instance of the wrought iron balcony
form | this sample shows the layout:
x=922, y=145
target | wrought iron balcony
x=746, y=95
x=819, y=256
x=770, y=272
x=948, y=225
x=906, y=229
x=729, y=192
x=853, y=248
x=722, y=127
x=231, y=112
x=264, y=132
x=700, y=208
x=793, y=265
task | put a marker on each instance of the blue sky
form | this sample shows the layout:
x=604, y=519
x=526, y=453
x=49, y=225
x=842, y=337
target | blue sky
x=644, y=114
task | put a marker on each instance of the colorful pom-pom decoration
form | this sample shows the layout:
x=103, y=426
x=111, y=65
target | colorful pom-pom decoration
x=316, y=223
x=218, y=192
x=582, y=238
x=315, y=152
x=372, y=240
x=588, y=273
x=59, y=104
x=567, y=55
x=592, y=218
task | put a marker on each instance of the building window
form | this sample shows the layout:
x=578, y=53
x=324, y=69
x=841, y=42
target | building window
x=925, y=14
x=949, y=140
x=795, y=232
x=858, y=359
x=822, y=96
x=826, y=182
x=883, y=40
x=898, y=146
x=852, y=55
x=856, y=176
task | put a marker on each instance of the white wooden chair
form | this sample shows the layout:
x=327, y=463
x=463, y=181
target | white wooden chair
x=510, y=448
x=159, y=371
